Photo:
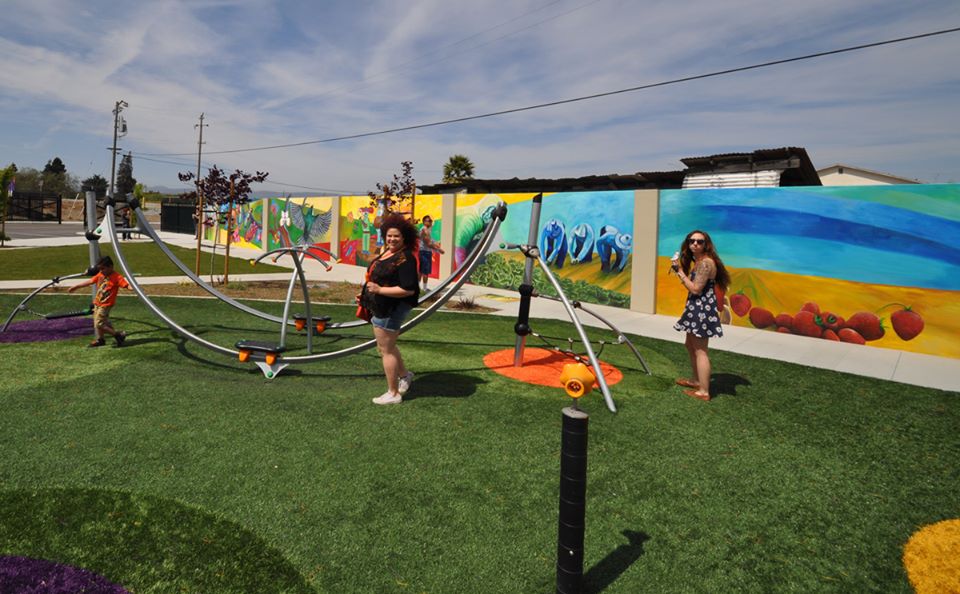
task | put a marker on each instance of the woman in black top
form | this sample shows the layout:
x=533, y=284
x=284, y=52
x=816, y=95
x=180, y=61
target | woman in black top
x=390, y=292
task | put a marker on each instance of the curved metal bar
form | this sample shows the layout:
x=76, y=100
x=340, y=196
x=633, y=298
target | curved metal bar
x=23, y=304
x=601, y=380
x=468, y=263
x=414, y=321
x=620, y=335
x=131, y=279
x=410, y=324
x=152, y=234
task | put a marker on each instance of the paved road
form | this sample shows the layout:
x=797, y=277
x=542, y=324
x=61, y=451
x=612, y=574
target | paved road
x=38, y=230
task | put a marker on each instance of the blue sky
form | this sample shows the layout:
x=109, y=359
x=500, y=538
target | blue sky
x=267, y=73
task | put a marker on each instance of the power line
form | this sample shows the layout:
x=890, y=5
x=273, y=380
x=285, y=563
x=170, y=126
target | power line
x=578, y=99
x=272, y=181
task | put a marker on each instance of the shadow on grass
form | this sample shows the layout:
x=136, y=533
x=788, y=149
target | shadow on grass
x=608, y=569
x=727, y=383
x=443, y=385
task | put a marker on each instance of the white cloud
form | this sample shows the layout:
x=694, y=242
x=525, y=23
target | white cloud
x=268, y=73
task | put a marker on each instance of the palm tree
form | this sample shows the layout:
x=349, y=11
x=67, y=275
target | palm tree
x=457, y=169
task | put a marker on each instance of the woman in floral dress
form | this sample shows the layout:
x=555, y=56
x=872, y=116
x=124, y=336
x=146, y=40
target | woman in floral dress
x=701, y=272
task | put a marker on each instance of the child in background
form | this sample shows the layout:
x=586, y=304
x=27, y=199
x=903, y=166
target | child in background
x=108, y=283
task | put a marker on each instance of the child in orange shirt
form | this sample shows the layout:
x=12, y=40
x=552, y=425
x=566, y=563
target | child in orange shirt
x=108, y=283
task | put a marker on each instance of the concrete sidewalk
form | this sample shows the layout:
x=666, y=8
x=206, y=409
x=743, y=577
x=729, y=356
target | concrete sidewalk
x=899, y=366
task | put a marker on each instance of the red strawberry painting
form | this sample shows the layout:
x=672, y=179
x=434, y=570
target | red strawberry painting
x=850, y=335
x=805, y=323
x=740, y=303
x=810, y=306
x=829, y=334
x=784, y=320
x=784, y=330
x=906, y=323
x=761, y=318
x=867, y=325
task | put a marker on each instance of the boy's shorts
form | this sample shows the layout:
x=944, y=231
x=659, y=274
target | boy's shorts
x=426, y=262
x=101, y=316
x=393, y=322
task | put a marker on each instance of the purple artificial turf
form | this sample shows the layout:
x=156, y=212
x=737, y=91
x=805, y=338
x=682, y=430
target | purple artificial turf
x=22, y=575
x=46, y=330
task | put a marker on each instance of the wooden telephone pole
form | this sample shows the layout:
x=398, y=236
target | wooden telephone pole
x=199, y=193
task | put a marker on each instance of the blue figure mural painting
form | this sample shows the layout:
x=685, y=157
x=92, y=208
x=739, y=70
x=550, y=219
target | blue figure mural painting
x=581, y=244
x=613, y=248
x=553, y=242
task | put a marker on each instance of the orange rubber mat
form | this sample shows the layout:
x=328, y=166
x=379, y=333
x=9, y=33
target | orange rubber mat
x=541, y=367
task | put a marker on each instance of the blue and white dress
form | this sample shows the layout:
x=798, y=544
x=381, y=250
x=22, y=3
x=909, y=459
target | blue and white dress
x=700, y=316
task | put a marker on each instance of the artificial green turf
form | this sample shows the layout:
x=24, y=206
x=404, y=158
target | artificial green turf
x=143, y=257
x=792, y=479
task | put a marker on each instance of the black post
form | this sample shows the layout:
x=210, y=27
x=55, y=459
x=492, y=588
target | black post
x=573, y=500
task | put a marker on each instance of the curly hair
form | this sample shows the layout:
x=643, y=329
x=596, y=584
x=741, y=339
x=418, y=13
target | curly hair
x=406, y=228
x=686, y=257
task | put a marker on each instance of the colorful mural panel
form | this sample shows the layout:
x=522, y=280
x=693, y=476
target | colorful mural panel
x=300, y=221
x=247, y=231
x=869, y=264
x=359, y=236
x=585, y=237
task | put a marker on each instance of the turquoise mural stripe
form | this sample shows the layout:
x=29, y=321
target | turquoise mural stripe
x=813, y=232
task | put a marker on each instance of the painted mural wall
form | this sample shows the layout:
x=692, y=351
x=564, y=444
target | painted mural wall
x=875, y=265
x=359, y=237
x=300, y=221
x=247, y=232
x=585, y=237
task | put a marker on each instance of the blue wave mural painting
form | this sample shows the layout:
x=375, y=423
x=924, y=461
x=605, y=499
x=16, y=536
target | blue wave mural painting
x=871, y=249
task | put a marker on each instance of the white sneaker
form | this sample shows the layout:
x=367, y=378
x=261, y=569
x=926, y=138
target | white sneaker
x=388, y=398
x=404, y=384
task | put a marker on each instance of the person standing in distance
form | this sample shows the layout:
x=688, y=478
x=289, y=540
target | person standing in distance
x=427, y=247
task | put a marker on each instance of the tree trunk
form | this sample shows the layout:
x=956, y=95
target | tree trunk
x=226, y=259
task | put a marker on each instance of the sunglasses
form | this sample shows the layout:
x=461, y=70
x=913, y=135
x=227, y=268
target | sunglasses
x=697, y=241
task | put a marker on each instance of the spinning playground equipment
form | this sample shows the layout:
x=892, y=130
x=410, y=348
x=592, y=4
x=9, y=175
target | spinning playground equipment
x=574, y=380
x=268, y=356
x=94, y=251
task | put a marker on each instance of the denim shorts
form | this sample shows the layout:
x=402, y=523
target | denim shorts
x=393, y=322
x=426, y=262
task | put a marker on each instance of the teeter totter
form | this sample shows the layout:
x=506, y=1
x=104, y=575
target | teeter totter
x=318, y=322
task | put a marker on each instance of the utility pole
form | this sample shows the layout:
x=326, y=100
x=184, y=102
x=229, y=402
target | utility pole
x=199, y=193
x=117, y=108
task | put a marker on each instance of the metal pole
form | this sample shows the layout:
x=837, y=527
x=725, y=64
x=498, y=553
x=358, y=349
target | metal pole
x=117, y=108
x=199, y=195
x=573, y=500
x=522, y=327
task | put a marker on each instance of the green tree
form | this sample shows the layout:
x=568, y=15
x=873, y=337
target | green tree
x=29, y=180
x=6, y=175
x=457, y=169
x=125, y=179
x=225, y=193
x=397, y=195
x=55, y=166
x=96, y=184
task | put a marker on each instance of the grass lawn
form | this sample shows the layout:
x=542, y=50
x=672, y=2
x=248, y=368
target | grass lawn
x=167, y=468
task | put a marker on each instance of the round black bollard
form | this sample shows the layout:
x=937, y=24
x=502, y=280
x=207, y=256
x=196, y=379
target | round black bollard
x=573, y=500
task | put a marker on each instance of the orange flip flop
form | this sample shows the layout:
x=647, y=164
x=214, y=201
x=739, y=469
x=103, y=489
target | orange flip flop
x=697, y=395
x=681, y=381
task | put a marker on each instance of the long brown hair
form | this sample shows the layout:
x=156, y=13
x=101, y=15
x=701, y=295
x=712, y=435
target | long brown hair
x=686, y=258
